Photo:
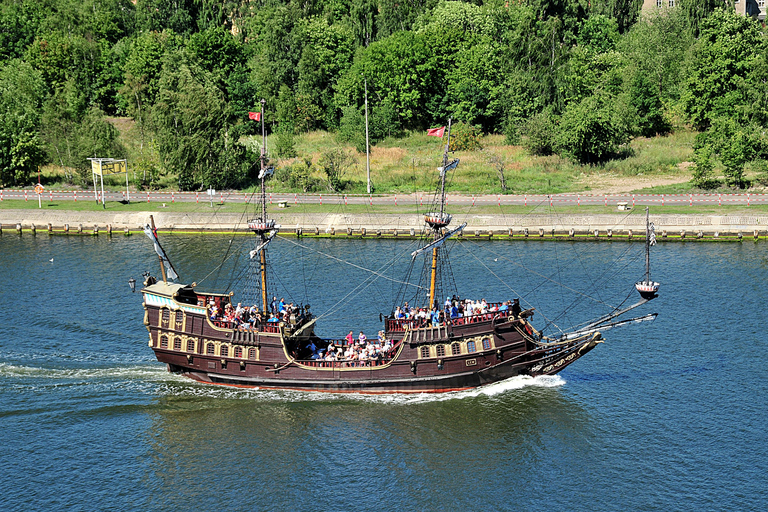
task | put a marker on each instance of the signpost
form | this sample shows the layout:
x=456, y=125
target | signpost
x=107, y=167
x=211, y=193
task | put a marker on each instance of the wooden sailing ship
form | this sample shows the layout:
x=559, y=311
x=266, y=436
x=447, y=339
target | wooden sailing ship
x=437, y=354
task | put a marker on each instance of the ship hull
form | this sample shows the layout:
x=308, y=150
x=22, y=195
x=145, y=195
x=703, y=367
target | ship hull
x=463, y=354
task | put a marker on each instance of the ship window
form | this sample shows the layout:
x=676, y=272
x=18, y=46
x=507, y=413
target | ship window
x=424, y=351
x=251, y=353
x=210, y=349
x=440, y=350
x=166, y=315
x=179, y=316
x=471, y=346
x=176, y=343
x=163, y=341
x=486, y=344
x=190, y=345
x=455, y=349
x=238, y=351
x=224, y=351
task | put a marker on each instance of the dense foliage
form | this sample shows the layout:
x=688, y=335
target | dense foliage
x=570, y=77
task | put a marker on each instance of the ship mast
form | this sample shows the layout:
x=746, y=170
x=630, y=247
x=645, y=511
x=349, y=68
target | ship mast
x=648, y=289
x=647, y=245
x=262, y=226
x=437, y=226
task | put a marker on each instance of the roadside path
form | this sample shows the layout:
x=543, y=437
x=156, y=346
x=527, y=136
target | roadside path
x=421, y=199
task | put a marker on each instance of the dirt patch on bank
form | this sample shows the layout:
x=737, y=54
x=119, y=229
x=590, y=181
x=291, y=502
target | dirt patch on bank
x=611, y=184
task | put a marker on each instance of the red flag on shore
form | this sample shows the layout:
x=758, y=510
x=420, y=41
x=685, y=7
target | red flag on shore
x=436, y=132
x=256, y=116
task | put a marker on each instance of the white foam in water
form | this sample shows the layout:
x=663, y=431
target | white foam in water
x=154, y=379
x=498, y=388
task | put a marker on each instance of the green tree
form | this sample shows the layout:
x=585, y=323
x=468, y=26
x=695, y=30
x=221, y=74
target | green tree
x=728, y=48
x=21, y=151
x=196, y=138
x=475, y=90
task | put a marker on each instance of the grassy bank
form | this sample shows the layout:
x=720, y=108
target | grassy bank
x=407, y=165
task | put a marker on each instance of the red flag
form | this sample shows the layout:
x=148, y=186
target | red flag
x=436, y=132
x=256, y=116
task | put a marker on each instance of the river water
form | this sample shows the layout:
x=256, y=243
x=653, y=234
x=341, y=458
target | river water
x=666, y=415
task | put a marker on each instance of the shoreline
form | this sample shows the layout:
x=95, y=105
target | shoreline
x=481, y=226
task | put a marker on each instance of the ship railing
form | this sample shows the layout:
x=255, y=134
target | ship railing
x=366, y=363
x=235, y=326
x=399, y=324
x=480, y=317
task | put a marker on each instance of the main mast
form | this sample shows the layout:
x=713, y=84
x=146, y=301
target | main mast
x=263, y=226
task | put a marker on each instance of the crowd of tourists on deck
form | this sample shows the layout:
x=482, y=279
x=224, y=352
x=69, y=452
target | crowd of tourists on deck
x=352, y=351
x=244, y=317
x=454, y=308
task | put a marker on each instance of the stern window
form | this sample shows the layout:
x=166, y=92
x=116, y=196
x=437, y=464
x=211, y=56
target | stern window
x=455, y=349
x=486, y=344
x=238, y=351
x=224, y=351
x=424, y=352
x=163, y=341
x=471, y=346
x=440, y=350
x=251, y=353
x=190, y=345
x=210, y=349
x=176, y=343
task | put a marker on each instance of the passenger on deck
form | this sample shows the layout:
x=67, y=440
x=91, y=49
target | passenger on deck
x=516, y=309
x=273, y=318
x=361, y=339
x=399, y=315
x=350, y=338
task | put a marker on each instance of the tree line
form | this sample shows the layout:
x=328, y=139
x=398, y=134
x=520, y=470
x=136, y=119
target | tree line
x=574, y=77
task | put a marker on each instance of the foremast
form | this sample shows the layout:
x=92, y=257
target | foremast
x=263, y=226
x=438, y=220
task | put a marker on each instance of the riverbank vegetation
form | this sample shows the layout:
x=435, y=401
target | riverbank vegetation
x=545, y=97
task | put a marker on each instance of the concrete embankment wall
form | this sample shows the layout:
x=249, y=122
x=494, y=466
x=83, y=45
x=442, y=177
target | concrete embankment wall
x=620, y=225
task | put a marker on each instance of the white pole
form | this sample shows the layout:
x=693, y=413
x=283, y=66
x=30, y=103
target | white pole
x=127, y=194
x=102, y=191
x=367, y=145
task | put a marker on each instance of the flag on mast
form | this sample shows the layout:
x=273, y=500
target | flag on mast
x=152, y=234
x=436, y=132
x=256, y=116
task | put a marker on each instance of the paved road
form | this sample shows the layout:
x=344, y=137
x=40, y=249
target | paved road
x=409, y=199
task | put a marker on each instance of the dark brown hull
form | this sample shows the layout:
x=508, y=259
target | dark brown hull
x=489, y=349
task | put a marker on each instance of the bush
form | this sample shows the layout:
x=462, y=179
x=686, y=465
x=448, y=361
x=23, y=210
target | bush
x=539, y=134
x=284, y=144
x=703, y=169
x=298, y=176
x=592, y=130
x=465, y=137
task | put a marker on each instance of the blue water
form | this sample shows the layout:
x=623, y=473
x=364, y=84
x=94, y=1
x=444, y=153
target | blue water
x=668, y=415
